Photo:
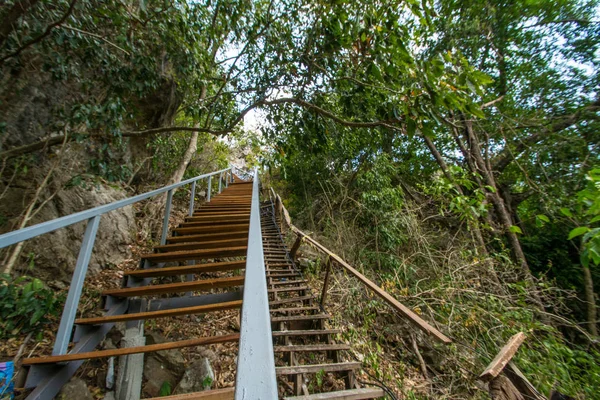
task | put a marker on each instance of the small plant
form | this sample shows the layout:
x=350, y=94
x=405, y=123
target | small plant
x=26, y=305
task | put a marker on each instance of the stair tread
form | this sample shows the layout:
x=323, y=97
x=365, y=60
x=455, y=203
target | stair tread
x=314, y=368
x=300, y=317
x=176, y=287
x=310, y=347
x=187, y=269
x=215, y=394
x=174, y=312
x=201, y=245
x=306, y=332
x=207, y=237
x=349, y=394
x=290, y=300
x=292, y=289
x=133, y=350
x=234, y=251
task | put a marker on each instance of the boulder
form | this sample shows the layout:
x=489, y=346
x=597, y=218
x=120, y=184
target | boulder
x=55, y=253
x=161, y=366
x=76, y=388
x=197, y=377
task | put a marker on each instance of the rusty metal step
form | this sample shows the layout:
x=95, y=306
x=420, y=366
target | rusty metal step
x=208, y=237
x=133, y=350
x=215, y=394
x=174, y=312
x=188, y=269
x=288, y=318
x=237, y=251
x=310, y=347
x=349, y=394
x=214, y=244
x=213, y=229
x=291, y=300
x=176, y=287
x=310, y=332
x=292, y=289
x=313, y=369
x=295, y=309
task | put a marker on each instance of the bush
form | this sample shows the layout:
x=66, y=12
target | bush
x=26, y=305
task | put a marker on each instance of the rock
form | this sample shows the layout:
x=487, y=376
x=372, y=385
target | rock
x=76, y=388
x=197, y=377
x=53, y=255
x=162, y=366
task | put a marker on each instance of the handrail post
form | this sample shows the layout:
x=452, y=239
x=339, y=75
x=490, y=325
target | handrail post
x=165, y=229
x=255, y=378
x=220, y=181
x=326, y=282
x=192, y=198
x=295, y=247
x=227, y=178
x=208, y=190
x=63, y=336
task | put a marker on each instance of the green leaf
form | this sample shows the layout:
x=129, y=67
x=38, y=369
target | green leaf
x=515, y=229
x=544, y=218
x=578, y=232
x=566, y=212
x=165, y=389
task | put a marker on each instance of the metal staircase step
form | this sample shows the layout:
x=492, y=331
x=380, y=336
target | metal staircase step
x=176, y=287
x=288, y=318
x=309, y=332
x=174, y=312
x=188, y=269
x=350, y=394
x=220, y=252
x=236, y=227
x=133, y=350
x=313, y=369
x=310, y=347
x=214, y=244
x=208, y=237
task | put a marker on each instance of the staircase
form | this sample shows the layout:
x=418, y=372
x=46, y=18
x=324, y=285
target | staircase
x=304, y=347
x=203, y=263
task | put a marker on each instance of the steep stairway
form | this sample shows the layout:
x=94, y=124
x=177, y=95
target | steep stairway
x=306, y=353
x=200, y=269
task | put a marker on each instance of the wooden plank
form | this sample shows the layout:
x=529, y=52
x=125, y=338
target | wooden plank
x=176, y=287
x=218, y=217
x=503, y=357
x=313, y=369
x=213, y=229
x=401, y=308
x=350, y=394
x=208, y=237
x=174, y=312
x=290, y=300
x=202, y=245
x=133, y=350
x=295, y=309
x=311, y=347
x=215, y=394
x=300, y=318
x=187, y=269
x=292, y=289
x=237, y=251
x=311, y=332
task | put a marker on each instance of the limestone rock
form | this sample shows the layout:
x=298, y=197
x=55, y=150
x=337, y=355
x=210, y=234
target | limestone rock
x=197, y=377
x=76, y=388
x=162, y=366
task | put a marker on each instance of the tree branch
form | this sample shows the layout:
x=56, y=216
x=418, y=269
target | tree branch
x=11, y=18
x=49, y=29
x=506, y=156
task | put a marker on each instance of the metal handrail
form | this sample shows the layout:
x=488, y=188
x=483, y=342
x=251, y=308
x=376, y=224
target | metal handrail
x=92, y=216
x=255, y=377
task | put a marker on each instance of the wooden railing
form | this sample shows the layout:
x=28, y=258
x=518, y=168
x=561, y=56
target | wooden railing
x=332, y=258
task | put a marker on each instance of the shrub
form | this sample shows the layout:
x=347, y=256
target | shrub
x=26, y=305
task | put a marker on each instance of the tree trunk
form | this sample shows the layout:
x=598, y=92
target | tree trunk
x=502, y=212
x=590, y=299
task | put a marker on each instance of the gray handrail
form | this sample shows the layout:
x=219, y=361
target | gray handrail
x=10, y=238
x=255, y=377
x=92, y=216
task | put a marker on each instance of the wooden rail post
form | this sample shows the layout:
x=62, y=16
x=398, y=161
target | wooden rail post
x=326, y=282
x=296, y=246
x=279, y=206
